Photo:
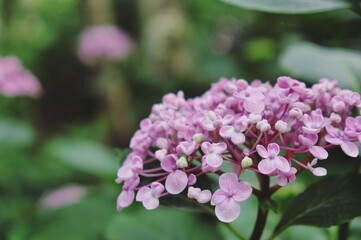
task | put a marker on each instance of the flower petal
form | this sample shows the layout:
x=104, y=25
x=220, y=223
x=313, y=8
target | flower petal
x=350, y=148
x=318, y=152
x=204, y=196
x=238, y=138
x=226, y=131
x=213, y=160
x=266, y=166
x=282, y=164
x=125, y=198
x=228, y=210
x=243, y=191
x=219, y=147
x=262, y=151
x=176, y=182
x=228, y=182
x=273, y=148
x=168, y=163
x=218, y=196
x=319, y=171
x=151, y=203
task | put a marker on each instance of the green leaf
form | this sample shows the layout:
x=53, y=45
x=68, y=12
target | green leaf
x=84, y=155
x=85, y=220
x=162, y=224
x=14, y=133
x=291, y=6
x=312, y=62
x=332, y=201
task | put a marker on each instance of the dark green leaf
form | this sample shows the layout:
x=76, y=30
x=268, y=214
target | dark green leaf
x=332, y=201
x=84, y=155
x=312, y=62
x=291, y=6
x=162, y=224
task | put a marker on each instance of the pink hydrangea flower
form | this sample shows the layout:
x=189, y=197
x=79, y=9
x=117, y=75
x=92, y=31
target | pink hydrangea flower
x=271, y=161
x=232, y=128
x=103, y=42
x=227, y=198
x=149, y=196
x=17, y=81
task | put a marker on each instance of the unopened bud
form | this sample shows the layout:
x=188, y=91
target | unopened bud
x=335, y=118
x=198, y=137
x=263, y=126
x=255, y=118
x=281, y=126
x=246, y=162
x=296, y=113
x=182, y=162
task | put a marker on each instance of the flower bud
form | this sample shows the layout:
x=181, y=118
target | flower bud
x=198, y=137
x=335, y=118
x=263, y=126
x=296, y=113
x=281, y=126
x=246, y=162
x=182, y=162
x=255, y=118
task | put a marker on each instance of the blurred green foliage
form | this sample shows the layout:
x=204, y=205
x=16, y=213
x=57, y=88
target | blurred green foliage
x=68, y=136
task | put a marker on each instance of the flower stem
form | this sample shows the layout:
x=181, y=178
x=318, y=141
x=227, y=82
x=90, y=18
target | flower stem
x=343, y=231
x=260, y=223
x=262, y=211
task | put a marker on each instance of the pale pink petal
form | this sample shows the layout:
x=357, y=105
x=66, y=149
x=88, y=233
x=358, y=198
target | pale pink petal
x=192, y=179
x=318, y=152
x=125, y=172
x=219, y=147
x=168, y=163
x=262, y=151
x=333, y=140
x=266, y=166
x=273, y=148
x=238, y=138
x=218, y=196
x=206, y=147
x=350, y=148
x=319, y=171
x=213, y=160
x=143, y=193
x=253, y=106
x=282, y=164
x=243, y=191
x=228, y=210
x=125, y=199
x=193, y=192
x=157, y=188
x=151, y=203
x=228, y=182
x=282, y=180
x=226, y=131
x=176, y=182
x=204, y=196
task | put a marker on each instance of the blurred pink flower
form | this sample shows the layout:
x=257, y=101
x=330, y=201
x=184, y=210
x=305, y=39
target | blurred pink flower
x=103, y=42
x=62, y=196
x=15, y=80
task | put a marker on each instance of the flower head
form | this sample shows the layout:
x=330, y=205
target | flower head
x=104, y=42
x=236, y=127
x=15, y=80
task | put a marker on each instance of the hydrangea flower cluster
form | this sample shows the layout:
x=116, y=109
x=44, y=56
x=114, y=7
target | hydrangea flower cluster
x=15, y=80
x=103, y=42
x=251, y=127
